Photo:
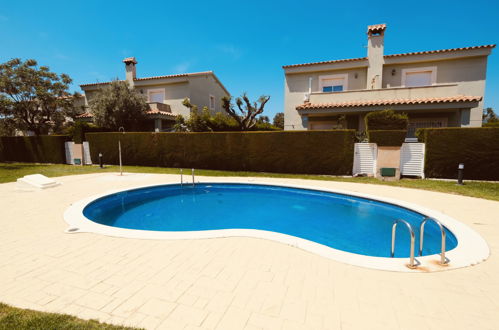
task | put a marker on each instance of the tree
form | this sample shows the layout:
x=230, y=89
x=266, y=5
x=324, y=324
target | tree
x=117, y=105
x=246, y=118
x=489, y=116
x=279, y=120
x=34, y=98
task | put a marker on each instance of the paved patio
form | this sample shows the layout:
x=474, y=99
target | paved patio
x=231, y=283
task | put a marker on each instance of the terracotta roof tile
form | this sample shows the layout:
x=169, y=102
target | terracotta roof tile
x=96, y=84
x=376, y=28
x=85, y=115
x=393, y=55
x=366, y=103
x=130, y=60
x=161, y=77
x=158, y=112
x=441, y=51
x=326, y=62
x=150, y=112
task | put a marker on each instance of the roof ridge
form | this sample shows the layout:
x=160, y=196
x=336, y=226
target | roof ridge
x=392, y=55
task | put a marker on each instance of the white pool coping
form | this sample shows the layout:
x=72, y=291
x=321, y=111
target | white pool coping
x=471, y=248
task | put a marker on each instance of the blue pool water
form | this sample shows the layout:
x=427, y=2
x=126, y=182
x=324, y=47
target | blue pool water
x=343, y=222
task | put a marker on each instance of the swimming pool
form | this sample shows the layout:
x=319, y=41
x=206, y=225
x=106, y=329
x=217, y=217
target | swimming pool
x=342, y=222
x=345, y=226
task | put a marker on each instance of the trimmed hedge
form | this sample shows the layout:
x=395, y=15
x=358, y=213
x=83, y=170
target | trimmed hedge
x=477, y=148
x=305, y=152
x=33, y=149
x=386, y=120
x=387, y=137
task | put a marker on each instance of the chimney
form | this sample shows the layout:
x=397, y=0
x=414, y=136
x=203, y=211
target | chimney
x=375, y=45
x=131, y=74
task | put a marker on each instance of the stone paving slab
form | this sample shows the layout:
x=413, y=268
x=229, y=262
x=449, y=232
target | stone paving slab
x=231, y=283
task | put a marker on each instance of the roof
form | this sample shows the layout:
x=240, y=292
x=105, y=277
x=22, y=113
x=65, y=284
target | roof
x=377, y=28
x=441, y=51
x=149, y=112
x=393, y=55
x=85, y=115
x=169, y=76
x=130, y=60
x=159, y=112
x=96, y=84
x=366, y=103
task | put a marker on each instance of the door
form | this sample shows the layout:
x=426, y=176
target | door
x=365, y=158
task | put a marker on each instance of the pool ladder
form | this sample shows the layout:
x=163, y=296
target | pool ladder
x=182, y=178
x=412, y=262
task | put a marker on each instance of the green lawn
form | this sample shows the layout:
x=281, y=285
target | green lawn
x=20, y=319
x=9, y=172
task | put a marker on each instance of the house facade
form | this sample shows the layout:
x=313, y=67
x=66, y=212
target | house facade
x=441, y=88
x=165, y=94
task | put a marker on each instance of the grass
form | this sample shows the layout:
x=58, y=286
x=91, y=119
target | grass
x=20, y=319
x=9, y=172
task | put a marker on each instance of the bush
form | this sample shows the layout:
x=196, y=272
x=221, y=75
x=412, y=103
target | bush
x=77, y=131
x=386, y=120
x=307, y=152
x=491, y=124
x=35, y=149
x=387, y=137
x=477, y=148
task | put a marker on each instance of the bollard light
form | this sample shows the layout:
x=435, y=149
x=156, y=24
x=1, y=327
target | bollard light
x=460, y=174
x=100, y=160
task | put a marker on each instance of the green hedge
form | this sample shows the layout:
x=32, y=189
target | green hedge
x=33, y=149
x=307, y=152
x=387, y=137
x=477, y=148
x=386, y=120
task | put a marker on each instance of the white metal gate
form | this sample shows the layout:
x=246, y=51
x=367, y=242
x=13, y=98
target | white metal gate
x=364, y=160
x=87, y=160
x=412, y=159
x=68, y=146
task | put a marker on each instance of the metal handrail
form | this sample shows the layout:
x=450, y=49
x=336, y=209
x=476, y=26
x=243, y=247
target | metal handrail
x=443, y=260
x=193, y=177
x=181, y=178
x=411, y=231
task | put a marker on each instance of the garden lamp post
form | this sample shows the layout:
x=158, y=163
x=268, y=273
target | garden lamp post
x=100, y=160
x=460, y=174
x=121, y=129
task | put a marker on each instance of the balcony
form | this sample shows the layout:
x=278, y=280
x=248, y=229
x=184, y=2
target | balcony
x=395, y=93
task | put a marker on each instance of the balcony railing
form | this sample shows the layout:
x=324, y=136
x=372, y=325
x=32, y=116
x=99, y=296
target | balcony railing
x=393, y=93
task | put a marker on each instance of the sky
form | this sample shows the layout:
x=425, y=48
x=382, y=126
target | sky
x=245, y=43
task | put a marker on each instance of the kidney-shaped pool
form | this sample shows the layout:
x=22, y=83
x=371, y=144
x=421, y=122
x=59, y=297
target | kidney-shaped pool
x=352, y=224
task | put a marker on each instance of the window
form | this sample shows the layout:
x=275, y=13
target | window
x=212, y=102
x=336, y=83
x=419, y=77
x=156, y=95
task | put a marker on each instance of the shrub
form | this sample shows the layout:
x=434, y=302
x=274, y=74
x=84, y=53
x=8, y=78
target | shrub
x=37, y=149
x=491, y=124
x=77, y=131
x=307, y=152
x=477, y=148
x=387, y=137
x=386, y=120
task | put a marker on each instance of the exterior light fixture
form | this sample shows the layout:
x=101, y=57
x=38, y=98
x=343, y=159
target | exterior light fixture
x=356, y=75
x=393, y=72
x=460, y=174
x=100, y=160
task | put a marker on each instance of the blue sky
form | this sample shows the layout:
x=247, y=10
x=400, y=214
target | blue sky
x=245, y=43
